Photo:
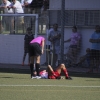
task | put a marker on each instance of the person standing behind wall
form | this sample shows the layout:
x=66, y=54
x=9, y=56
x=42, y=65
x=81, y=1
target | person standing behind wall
x=17, y=9
x=48, y=47
x=36, y=49
x=27, y=10
x=54, y=37
x=28, y=37
x=75, y=41
x=6, y=20
x=95, y=49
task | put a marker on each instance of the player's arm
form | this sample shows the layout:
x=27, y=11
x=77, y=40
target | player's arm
x=58, y=36
x=49, y=37
x=43, y=42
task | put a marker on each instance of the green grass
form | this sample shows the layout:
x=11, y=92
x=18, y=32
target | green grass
x=18, y=86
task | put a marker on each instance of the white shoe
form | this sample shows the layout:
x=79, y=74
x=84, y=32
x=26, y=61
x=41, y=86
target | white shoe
x=34, y=77
x=38, y=77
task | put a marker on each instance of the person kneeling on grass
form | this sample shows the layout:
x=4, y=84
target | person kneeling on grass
x=51, y=74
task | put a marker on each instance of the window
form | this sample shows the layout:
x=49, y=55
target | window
x=76, y=17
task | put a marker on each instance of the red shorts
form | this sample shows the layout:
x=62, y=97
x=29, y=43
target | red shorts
x=54, y=77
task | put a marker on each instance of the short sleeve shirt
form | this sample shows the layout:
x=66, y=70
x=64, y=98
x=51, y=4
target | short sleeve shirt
x=75, y=37
x=38, y=40
x=6, y=9
x=18, y=8
x=95, y=46
x=27, y=39
x=54, y=33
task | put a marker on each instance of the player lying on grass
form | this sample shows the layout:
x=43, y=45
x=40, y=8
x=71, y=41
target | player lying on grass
x=51, y=74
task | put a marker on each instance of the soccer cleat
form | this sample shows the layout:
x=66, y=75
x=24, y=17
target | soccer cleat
x=38, y=77
x=69, y=78
x=33, y=77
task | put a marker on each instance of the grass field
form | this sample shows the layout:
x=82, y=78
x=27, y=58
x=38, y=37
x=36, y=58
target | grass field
x=17, y=85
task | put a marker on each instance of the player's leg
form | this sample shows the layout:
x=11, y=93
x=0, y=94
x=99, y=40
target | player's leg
x=97, y=60
x=37, y=54
x=50, y=68
x=37, y=65
x=31, y=55
x=24, y=56
x=56, y=53
x=81, y=60
x=93, y=52
x=62, y=67
x=28, y=59
x=31, y=65
x=50, y=71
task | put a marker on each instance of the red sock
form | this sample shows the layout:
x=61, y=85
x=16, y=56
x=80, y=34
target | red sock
x=65, y=72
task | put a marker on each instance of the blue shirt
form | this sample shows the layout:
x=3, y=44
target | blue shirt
x=54, y=33
x=95, y=46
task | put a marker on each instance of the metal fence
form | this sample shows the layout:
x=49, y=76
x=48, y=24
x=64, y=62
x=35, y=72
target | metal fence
x=17, y=23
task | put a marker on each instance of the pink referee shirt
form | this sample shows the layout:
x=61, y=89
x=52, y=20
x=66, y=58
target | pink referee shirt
x=38, y=40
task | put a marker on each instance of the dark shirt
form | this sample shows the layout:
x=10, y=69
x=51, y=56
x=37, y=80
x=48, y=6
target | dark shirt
x=28, y=38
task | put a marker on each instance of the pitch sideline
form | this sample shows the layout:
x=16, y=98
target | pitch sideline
x=48, y=86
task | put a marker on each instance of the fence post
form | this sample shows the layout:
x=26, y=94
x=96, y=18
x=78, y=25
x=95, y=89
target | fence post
x=62, y=29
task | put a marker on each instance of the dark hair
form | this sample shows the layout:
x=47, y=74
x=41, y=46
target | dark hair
x=29, y=28
x=55, y=24
x=74, y=27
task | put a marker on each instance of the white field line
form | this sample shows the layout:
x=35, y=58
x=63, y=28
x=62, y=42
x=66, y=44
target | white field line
x=49, y=85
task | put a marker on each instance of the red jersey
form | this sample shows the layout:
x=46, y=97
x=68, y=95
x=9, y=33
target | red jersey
x=55, y=75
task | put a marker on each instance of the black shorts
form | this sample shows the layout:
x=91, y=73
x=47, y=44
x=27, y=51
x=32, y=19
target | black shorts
x=95, y=54
x=34, y=49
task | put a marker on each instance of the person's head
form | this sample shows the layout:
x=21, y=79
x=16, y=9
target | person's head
x=29, y=30
x=4, y=1
x=74, y=29
x=88, y=50
x=14, y=1
x=97, y=28
x=55, y=26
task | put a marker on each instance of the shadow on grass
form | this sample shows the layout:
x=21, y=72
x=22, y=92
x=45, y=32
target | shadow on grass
x=90, y=75
x=12, y=70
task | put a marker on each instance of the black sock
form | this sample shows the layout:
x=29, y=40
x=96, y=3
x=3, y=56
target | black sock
x=37, y=68
x=31, y=69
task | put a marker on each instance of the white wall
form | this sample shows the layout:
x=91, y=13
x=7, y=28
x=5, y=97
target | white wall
x=12, y=49
x=11, y=46
x=76, y=4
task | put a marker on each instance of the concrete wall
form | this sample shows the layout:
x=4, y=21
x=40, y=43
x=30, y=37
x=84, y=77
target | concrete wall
x=76, y=4
x=12, y=46
x=85, y=33
x=12, y=49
